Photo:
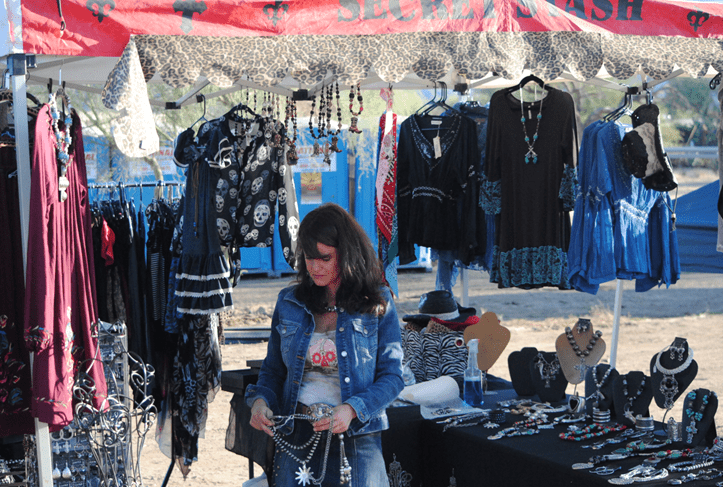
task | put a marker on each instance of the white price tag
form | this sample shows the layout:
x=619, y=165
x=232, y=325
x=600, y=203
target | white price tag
x=437, y=147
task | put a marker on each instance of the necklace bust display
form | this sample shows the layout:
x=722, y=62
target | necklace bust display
x=699, y=409
x=579, y=348
x=599, y=387
x=672, y=372
x=632, y=395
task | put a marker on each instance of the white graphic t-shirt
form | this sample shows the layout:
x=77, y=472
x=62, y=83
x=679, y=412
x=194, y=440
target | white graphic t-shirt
x=320, y=382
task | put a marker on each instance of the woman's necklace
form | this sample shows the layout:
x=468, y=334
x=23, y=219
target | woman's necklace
x=531, y=154
x=628, y=408
x=353, y=128
x=548, y=370
x=582, y=354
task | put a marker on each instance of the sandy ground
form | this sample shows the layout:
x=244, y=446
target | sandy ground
x=692, y=308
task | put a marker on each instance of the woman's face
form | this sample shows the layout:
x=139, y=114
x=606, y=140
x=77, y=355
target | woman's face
x=324, y=271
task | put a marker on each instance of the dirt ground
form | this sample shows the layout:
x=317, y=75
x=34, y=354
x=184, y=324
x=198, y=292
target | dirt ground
x=692, y=308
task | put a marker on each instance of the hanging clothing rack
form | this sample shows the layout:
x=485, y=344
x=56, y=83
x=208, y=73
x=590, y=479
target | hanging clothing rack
x=116, y=185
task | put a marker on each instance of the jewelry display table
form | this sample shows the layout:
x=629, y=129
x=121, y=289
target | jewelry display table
x=421, y=452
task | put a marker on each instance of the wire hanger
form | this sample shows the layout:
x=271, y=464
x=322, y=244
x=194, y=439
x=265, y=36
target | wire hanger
x=201, y=98
x=625, y=108
x=430, y=102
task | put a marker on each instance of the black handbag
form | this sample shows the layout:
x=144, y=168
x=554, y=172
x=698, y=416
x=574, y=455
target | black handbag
x=643, y=153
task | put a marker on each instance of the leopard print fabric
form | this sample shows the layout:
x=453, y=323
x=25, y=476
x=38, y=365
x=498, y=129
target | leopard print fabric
x=310, y=59
x=134, y=130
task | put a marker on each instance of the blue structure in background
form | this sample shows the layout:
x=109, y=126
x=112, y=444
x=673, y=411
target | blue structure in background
x=697, y=228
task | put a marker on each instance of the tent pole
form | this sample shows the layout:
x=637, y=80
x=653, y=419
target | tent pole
x=17, y=66
x=465, y=287
x=616, y=322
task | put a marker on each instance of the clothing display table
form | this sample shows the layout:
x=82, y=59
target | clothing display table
x=430, y=455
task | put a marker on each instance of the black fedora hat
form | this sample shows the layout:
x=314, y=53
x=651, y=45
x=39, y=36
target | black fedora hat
x=442, y=306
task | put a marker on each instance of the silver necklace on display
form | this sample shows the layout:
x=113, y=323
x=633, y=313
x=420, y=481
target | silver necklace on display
x=669, y=384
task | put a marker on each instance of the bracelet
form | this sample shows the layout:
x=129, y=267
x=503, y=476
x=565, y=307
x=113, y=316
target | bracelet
x=689, y=465
x=648, y=474
x=709, y=474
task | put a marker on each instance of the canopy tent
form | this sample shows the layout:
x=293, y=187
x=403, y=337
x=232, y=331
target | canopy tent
x=284, y=45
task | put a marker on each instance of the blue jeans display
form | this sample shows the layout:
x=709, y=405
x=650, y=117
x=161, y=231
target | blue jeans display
x=364, y=453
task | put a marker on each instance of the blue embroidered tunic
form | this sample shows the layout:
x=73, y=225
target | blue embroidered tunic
x=621, y=229
x=531, y=200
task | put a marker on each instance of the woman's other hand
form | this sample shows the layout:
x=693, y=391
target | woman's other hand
x=342, y=416
x=261, y=417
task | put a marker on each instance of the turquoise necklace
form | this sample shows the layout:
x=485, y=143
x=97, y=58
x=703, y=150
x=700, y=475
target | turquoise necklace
x=531, y=154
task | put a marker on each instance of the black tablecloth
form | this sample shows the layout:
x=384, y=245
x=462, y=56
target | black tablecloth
x=428, y=456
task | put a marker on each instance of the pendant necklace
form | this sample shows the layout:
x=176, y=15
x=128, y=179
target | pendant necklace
x=628, y=408
x=548, y=370
x=62, y=143
x=669, y=384
x=353, y=128
x=317, y=148
x=291, y=155
x=335, y=134
x=695, y=416
x=327, y=149
x=582, y=354
x=598, y=385
x=531, y=155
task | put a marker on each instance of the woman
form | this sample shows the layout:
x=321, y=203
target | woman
x=335, y=339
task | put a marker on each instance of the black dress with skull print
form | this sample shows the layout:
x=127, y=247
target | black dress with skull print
x=234, y=179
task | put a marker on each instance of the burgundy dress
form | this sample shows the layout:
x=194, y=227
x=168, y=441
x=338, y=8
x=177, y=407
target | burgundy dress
x=60, y=301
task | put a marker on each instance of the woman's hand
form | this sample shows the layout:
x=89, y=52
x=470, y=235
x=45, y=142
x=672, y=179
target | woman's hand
x=342, y=416
x=261, y=417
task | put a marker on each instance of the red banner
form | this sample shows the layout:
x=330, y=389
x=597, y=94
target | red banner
x=103, y=27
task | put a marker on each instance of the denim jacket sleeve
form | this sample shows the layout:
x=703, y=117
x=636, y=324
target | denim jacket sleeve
x=371, y=402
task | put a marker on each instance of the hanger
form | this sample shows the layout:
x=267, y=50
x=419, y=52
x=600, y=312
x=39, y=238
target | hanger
x=625, y=108
x=430, y=102
x=200, y=98
x=440, y=103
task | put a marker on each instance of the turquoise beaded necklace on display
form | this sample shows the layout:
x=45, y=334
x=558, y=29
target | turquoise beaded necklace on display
x=695, y=416
x=591, y=431
x=531, y=155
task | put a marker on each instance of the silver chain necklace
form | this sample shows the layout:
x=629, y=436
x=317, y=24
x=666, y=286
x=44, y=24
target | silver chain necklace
x=304, y=475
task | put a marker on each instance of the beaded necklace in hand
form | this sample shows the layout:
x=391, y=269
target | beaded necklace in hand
x=591, y=431
x=304, y=474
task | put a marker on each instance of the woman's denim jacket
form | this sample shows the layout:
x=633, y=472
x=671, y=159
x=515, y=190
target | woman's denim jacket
x=369, y=352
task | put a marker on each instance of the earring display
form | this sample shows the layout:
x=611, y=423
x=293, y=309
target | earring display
x=103, y=447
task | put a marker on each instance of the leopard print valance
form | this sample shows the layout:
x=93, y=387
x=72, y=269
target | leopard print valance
x=266, y=61
x=179, y=60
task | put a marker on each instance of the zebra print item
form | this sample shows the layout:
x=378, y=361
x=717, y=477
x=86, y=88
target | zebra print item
x=431, y=355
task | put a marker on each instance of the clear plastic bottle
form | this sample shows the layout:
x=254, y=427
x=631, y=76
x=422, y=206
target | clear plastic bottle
x=473, y=377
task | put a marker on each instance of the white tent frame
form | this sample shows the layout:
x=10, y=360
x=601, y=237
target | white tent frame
x=18, y=66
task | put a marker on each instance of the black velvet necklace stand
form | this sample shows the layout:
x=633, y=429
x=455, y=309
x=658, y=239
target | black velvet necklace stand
x=557, y=383
x=593, y=376
x=640, y=403
x=519, y=366
x=692, y=406
x=682, y=378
